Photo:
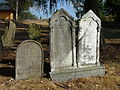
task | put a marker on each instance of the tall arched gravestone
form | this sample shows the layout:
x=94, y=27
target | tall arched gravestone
x=89, y=39
x=62, y=43
x=88, y=44
x=29, y=60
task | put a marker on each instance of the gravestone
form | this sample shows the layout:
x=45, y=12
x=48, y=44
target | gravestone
x=89, y=44
x=34, y=32
x=9, y=35
x=64, y=65
x=29, y=60
x=62, y=43
x=89, y=39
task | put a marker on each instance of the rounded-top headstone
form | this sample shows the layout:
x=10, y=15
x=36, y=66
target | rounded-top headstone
x=29, y=60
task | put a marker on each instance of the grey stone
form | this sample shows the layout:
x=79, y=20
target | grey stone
x=9, y=35
x=29, y=60
x=88, y=40
x=64, y=65
x=62, y=41
x=74, y=73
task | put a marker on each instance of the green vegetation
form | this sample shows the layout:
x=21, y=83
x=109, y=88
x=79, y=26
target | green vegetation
x=112, y=8
x=22, y=4
x=108, y=10
x=26, y=15
x=21, y=7
x=34, y=32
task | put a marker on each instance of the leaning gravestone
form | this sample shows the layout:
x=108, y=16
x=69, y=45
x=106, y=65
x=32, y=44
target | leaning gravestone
x=62, y=44
x=29, y=60
x=8, y=37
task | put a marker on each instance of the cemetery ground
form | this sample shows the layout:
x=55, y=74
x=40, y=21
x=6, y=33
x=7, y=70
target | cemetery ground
x=110, y=58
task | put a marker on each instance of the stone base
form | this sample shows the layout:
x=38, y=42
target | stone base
x=67, y=74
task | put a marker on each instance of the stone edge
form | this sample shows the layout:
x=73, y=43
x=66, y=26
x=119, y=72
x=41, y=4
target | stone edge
x=77, y=73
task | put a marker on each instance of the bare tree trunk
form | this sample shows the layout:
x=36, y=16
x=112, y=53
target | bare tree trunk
x=17, y=10
x=1, y=44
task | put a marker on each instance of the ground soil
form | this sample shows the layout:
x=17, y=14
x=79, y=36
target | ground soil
x=110, y=58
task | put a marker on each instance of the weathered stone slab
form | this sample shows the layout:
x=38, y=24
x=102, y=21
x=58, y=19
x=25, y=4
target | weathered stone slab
x=9, y=35
x=88, y=40
x=29, y=60
x=73, y=73
x=87, y=63
x=88, y=46
x=62, y=41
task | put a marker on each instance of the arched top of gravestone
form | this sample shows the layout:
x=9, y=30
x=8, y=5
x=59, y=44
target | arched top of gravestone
x=61, y=13
x=91, y=14
x=29, y=42
x=90, y=18
x=33, y=41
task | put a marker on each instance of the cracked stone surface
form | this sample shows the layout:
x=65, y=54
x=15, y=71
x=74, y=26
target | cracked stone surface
x=88, y=40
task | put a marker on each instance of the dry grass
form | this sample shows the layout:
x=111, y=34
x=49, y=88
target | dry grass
x=110, y=58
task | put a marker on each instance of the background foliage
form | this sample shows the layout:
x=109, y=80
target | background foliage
x=108, y=10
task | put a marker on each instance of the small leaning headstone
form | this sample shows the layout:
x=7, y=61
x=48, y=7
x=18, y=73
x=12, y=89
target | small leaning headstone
x=9, y=35
x=29, y=60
